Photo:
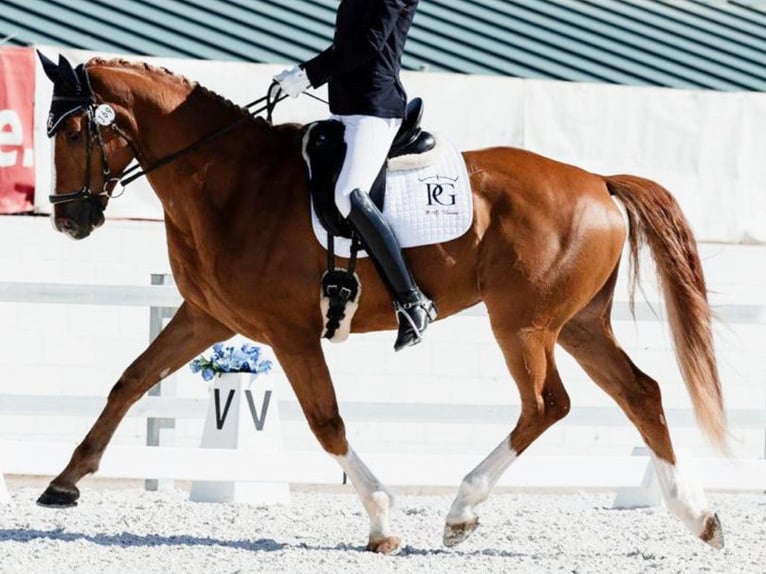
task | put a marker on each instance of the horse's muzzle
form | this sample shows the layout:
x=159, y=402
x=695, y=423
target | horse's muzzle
x=79, y=217
x=71, y=228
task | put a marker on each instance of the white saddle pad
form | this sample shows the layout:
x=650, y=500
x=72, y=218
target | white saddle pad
x=424, y=205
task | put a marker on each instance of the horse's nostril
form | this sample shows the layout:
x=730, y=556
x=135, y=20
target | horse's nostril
x=65, y=225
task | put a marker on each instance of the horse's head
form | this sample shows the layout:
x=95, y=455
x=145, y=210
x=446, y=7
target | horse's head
x=90, y=149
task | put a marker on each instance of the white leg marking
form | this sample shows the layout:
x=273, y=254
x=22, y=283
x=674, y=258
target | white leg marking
x=478, y=483
x=683, y=496
x=377, y=501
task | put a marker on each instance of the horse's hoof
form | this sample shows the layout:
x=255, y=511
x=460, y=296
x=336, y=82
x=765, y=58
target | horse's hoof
x=713, y=531
x=385, y=545
x=56, y=496
x=454, y=534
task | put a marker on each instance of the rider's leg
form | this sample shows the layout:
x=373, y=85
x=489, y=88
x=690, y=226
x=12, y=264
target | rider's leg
x=368, y=140
x=413, y=309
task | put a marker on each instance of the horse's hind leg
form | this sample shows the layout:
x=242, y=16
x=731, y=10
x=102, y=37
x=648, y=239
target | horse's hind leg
x=189, y=333
x=529, y=356
x=589, y=339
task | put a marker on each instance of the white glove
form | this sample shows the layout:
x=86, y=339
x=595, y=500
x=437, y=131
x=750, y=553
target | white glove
x=293, y=81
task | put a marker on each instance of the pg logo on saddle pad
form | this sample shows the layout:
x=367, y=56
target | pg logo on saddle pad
x=425, y=205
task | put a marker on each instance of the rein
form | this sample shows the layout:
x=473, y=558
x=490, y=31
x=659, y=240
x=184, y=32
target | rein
x=271, y=103
x=95, y=123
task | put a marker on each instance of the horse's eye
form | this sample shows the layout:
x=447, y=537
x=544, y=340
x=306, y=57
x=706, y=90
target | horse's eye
x=72, y=136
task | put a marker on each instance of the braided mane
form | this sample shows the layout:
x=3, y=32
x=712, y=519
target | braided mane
x=178, y=78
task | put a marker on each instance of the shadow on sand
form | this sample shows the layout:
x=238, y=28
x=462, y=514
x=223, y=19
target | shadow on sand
x=126, y=540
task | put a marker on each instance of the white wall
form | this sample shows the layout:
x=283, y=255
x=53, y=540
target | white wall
x=72, y=349
x=81, y=350
x=706, y=147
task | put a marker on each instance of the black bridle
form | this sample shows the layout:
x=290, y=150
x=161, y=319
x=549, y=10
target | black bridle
x=85, y=193
x=272, y=98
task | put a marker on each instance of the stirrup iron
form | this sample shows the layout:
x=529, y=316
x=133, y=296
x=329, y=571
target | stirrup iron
x=411, y=331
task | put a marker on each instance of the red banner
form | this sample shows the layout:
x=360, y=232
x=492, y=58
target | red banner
x=17, y=90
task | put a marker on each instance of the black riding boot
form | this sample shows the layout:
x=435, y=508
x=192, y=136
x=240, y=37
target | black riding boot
x=414, y=311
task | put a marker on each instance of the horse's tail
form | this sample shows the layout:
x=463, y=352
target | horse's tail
x=654, y=217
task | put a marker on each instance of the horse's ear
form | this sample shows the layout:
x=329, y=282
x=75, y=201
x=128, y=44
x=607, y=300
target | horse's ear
x=51, y=69
x=67, y=74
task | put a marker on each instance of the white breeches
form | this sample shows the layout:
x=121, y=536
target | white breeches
x=368, y=140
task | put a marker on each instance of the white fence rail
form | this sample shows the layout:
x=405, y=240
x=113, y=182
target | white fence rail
x=388, y=412
x=46, y=458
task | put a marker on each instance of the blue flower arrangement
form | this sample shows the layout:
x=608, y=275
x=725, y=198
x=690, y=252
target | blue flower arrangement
x=229, y=359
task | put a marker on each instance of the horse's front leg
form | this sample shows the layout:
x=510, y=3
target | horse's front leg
x=305, y=367
x=189, y=333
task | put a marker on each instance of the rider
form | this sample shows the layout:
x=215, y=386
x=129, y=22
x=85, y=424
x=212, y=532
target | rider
x=362, y=68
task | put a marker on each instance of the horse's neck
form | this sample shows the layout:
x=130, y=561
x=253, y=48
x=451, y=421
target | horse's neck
x=206, y=192
x=167, y=112
x=178, y=116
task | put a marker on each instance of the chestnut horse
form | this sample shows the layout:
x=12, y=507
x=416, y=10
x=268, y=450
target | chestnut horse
x=542, y=254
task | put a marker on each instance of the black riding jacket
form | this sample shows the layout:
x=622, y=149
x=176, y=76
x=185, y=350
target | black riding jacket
x=362, y=64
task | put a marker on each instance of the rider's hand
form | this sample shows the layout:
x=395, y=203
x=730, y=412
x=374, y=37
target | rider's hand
x=293, y=81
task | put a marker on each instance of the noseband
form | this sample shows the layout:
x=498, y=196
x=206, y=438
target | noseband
x=96, y=116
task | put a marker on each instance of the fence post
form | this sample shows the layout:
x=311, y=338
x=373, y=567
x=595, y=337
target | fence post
x=4, y=496
x=648, y=494
x=160, y=431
